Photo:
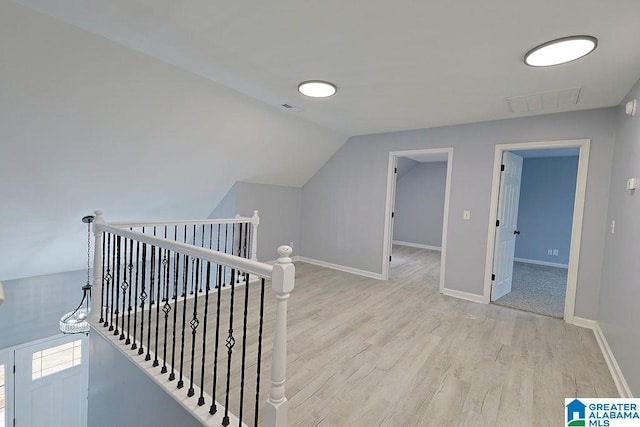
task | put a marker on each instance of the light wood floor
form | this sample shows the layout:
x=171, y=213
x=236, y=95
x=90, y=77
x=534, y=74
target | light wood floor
x=368, y=353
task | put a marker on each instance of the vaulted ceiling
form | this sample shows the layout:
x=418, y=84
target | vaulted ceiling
x=399, y=65
x=154, y=108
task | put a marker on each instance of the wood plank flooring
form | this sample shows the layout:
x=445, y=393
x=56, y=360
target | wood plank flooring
x=368, y=353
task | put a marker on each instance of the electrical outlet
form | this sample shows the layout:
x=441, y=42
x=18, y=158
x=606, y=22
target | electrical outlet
x=555, y=252
x=466, y=214
x=549, y=252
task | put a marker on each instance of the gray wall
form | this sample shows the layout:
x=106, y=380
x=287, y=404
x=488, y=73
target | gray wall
x=545, y=213
x=619, y=317
x=121, y=394
x=279, y=215
x=226, y=208
x=419, y=207
x=343, y=204
x=34, y=306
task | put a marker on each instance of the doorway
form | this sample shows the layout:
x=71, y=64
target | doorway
x=45, y=382
x=504, y=227
x=418, y=165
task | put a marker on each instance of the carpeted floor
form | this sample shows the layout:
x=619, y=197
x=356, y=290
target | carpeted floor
x=538, y=289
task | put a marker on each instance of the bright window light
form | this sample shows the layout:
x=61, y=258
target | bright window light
x=317, y=88
x=560, y=51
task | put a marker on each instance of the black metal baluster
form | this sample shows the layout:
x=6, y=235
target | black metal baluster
x=218, y=237
x=159, y=286
x=193, y=261
x=143, y=295
x=244, y=344
x=108, y=277
x=165, y=289
x=204, y=332
x=226, y=240
x=124, y=286
x=213, y=409
x=172, y=375
x=166, y=308
x=152, y=261
x=129, y=307
x=113, y=280
x=201, y=264
x=184, y=320
x=104, y=276
x=184, y=282
x=117, y=285
x=194, y=329
x=134, y=344
x=259, y=362
x=230, y=344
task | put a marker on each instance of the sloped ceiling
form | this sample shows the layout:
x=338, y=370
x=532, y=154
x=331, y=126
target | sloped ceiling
x=187, y=100
x=399, y=65
x=87, y=124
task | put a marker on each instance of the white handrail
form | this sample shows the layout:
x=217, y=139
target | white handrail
x=208, y=221
x=233, y=261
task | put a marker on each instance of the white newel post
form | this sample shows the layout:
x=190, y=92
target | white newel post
x=255, y=221
x=282, y=281
x=96, y=289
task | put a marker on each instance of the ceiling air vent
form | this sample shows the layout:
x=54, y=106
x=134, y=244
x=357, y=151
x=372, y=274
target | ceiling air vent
x=546, y=101
x=292, y=108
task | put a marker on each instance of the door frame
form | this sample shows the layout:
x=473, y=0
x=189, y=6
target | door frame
x=578, y=214
x=390, y=202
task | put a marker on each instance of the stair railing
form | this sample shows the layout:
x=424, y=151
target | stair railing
x=150, y=281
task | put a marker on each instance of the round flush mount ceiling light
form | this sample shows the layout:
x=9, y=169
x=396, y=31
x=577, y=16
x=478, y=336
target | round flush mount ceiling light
x=560, y=51
x=317, y=88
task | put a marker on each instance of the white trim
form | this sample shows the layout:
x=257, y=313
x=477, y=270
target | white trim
x=417, y=245
x=585, y=323
x=545, y=263
x=200, y=413
x=389, y=201
x=462, y=295
x=616, y=373
x=578, y=213
x=338, y=267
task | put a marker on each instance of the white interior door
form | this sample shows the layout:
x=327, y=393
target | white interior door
x=506, y=226
x=51, y=383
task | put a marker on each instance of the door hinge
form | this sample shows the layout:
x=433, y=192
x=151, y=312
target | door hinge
x=497, y=223
x=501, y=168
x=393, y=214
x=389, y=258
x=493, y=277
x=14, y=369
x=14, y=422
x=395, y=170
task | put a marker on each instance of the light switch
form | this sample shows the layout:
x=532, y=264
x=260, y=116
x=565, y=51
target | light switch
x=466, y=215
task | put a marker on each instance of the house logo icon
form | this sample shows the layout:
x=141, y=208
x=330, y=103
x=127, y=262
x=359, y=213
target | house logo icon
x=576, y=413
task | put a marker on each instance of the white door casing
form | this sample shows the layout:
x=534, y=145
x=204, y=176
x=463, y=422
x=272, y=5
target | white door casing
x=506, y=225
x=56, y=399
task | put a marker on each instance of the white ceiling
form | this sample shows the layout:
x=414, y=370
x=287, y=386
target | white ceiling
x=398, y=65
x=88, y=124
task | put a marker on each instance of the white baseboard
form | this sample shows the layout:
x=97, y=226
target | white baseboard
x=612, y=364
x=339, y=267
x=545, y=263
x=463, y=295
x=417, y=245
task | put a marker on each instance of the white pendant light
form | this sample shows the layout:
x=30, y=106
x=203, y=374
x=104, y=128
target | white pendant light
x=560, y=51
x=317, y=88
